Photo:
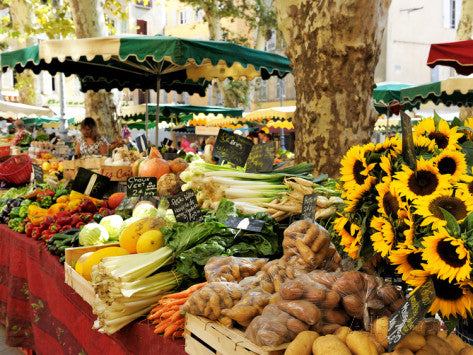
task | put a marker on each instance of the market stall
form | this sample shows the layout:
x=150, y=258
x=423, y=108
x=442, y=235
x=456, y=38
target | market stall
x=16, y=110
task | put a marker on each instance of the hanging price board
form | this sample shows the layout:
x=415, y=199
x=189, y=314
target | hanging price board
x=309, y=205
x=38, y=173
x=141, y=186
x=261, y=158
x=232, y=148
x=185, y=207
x=90, y=183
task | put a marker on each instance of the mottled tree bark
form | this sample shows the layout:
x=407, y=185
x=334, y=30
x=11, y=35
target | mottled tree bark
x=333, y=47
x=21, y=13
x=89, y=21
x=464, y=31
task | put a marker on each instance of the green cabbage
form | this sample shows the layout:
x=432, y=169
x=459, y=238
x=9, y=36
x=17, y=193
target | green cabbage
x=145, y=210
x=113, y=225
x=93, y=234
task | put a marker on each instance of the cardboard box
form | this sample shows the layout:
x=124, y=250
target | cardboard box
x=116, y=172
x=72, y=278
x=205, y=337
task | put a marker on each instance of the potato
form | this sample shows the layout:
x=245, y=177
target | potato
x=314, y=294
x=402, y=351
x=331, y=300
x=353, y=306
x=342, y=333
x=360, y=344
x=329, y=328
x=420, y=327
x=388, y=293
x=396, y=304
x=467, y=350
x=302, y=310
x=302, y=344
x=412, y=341
x=242, y=314
x=455, y=342
x=442, y=334
x=336, y=316
x=350, y=282
x=291, y=290
x=428, y=349
x=380, y=330
x=296, y=325
x=440, y=345
x=329, y=344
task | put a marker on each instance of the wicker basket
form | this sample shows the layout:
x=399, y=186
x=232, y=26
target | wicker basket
x=17, y=169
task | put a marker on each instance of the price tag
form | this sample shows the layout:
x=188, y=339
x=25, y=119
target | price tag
x=252, y=225
x=166, y=142
x=261, y=158
x=142, y=143
x=38, y=173
x=90, y=183
x=185, y=207
x=309, y=205
x=141, y=186
x=410, y=313
x=232, y=147
x=170, y=156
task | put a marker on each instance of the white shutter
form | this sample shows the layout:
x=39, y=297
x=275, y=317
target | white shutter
x=446, y=13
x=458, y=11
x=173, y=17
x=189, y=15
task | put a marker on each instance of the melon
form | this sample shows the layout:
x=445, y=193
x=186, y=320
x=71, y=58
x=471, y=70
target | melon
x=154, y=167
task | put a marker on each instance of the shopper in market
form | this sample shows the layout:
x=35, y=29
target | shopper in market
x=91, y=142
x=209, y=147
x=264, y=136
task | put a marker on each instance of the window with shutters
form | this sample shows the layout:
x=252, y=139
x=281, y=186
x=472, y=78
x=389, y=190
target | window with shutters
x=198, y=15
x=185, y=16
x=144, y=3
x=142, y=27
x=272, y=41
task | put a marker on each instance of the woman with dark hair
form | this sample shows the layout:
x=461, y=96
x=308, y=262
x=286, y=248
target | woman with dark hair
x=91, y=143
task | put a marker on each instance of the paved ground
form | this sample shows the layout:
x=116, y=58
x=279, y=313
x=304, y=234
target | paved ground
x=5, y=349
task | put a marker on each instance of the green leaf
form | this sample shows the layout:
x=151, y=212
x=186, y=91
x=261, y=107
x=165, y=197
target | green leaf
x=452, y=225
x=451, y=323
x=465, y=128
x=467, y=224
x=437, y=120
x=467, y=149
x=456, y=122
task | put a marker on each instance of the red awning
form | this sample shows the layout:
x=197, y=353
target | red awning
x=458, y=55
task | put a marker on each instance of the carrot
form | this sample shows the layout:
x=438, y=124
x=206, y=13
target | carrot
x=157, y=314
x=171, y=329
x=168, y=314
x=187, y=292
x=162, y=326
x=176, y=316
x=178, y=334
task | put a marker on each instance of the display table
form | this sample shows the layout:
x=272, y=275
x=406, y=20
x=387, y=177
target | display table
x=42, y=313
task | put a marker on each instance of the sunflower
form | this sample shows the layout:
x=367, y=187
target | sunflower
x=467, y=133
x=423, y=145
x=354, y=197
x=443, y=136
x=383, y=239
x=452, y=163
x=355, y=170
x=429, y=207
x=406, y=226
x=406, y=260
x=350, y=235
x=446, y=256
x=388, y=199
x=424, y=181
x=453, y=299
x=465, y=186
x=391, y=147
x=385, y=165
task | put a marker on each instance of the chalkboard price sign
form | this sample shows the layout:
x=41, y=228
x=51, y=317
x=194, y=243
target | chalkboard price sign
x=252, y=225
x=309, y=205
x=170, y=156
x=141, y=186
x=38, y=173
x=410, y=313
x=142, y=143
x=232, y=147
x=185, y=207
x=261, y=158
x=91, y=183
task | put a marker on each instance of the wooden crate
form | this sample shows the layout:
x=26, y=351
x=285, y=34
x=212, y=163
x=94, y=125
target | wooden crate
x=116, y=172
x=72, y=278
x=205, y=337
x=70, y=167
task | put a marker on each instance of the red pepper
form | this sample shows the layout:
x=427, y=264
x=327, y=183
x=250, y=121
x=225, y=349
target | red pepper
x=75, y=219
x=88, y=206
x=29, y=229
x=64, y=220
x=104, y=204
x=65, y=228
x=54, y=228
x=86, y=217
x=47, y=192
x=79, y=224
x=35, y=233
x=62, y=214
x=104, y=211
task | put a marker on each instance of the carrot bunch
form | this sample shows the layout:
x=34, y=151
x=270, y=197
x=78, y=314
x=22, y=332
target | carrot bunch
x=167, y=315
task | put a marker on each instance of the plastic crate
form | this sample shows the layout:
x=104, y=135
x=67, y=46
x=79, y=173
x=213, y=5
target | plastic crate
x=17, y=169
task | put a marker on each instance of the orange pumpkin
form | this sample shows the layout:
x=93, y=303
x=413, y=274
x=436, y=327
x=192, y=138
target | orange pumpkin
x=154, y=153
x=115, y=199
x=178, y=165
x=154, y=167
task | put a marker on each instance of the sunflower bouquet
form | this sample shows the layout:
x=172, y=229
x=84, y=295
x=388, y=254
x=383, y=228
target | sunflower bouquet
x=414, y=220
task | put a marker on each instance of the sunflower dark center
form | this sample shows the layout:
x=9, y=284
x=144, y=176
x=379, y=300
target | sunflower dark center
x=440, y=139
x=423, y=182
x=358, y=167
x=470, y=187
x=447, y=291
x=390, y=204
x=447, y=253
x=414, y=260
x=454, y=205
x=447, y=165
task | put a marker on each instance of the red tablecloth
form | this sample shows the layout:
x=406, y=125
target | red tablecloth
x=44, y=314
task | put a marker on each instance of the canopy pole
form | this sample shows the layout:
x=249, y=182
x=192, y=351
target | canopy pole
x=158, y=89
x=63, y=124
x=146, y=115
